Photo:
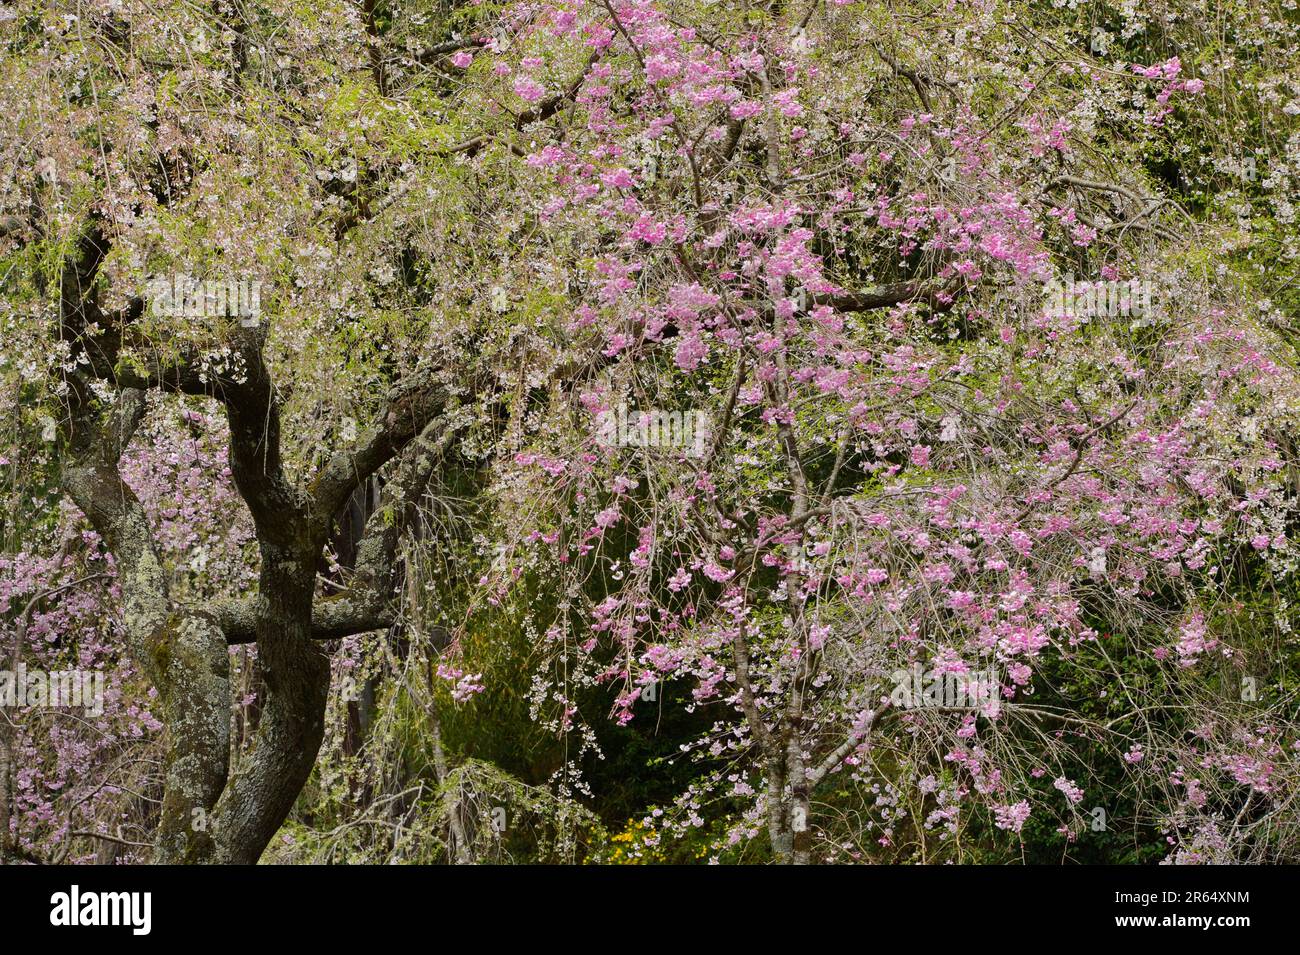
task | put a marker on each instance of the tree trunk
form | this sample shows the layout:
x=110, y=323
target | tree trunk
x=295, y=671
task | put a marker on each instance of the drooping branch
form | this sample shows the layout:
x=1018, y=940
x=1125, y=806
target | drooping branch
x=543, y=111
x=552, y=104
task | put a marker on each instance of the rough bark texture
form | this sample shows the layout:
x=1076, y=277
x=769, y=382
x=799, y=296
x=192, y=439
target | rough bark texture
x=182, y=653
x=295, y=671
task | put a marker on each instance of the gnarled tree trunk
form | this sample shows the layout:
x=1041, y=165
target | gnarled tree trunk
x=209, y=815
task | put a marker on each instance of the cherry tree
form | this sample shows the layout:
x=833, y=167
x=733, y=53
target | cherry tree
x=924, y=456
x=164, y=168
